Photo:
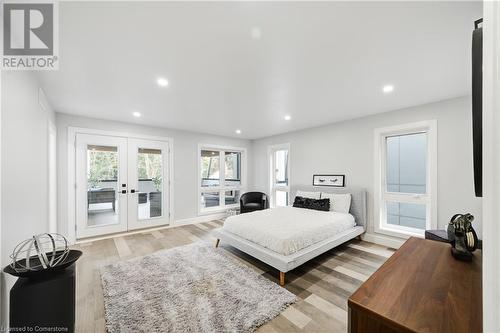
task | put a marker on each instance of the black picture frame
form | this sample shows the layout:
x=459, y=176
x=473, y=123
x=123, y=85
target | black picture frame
x=329, y=180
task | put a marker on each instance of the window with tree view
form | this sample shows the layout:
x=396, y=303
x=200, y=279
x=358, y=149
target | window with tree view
x=220, y=178
x=102, y=184
x=210, y=171
x=102, y=165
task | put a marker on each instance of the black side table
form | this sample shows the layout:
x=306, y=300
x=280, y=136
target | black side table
x=46, y=303
x=44, y=300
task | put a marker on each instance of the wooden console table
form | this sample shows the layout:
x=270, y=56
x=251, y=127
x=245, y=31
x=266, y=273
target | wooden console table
x=421, y=288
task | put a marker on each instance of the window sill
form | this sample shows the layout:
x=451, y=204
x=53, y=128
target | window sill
x=399, y=232
x=209, y=211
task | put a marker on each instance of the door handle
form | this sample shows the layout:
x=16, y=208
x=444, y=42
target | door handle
x=132, y=191
x=124, y=191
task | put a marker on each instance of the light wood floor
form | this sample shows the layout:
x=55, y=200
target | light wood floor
x=323, y=284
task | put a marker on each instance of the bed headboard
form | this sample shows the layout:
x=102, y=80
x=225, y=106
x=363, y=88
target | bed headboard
x=358, y=199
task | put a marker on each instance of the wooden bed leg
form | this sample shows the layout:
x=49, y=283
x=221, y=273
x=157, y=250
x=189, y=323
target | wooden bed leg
x=217, y=242
x=359, y=237
x=282, y=279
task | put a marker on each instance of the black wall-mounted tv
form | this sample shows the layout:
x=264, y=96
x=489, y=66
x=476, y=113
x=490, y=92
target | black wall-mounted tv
x=477, y=106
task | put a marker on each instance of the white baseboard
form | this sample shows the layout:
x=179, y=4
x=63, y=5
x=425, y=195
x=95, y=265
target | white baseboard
x=178, y=223
x=200, y=219
x=388, y=241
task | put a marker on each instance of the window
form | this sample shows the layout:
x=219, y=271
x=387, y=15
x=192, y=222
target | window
x=210, y=170
x=232, y=162
x=220, y=178
x=150, y=183
x=405, y=179
x=279, y=174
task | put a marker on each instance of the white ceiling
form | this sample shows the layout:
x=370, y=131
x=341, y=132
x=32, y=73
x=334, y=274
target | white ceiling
x=318, y=62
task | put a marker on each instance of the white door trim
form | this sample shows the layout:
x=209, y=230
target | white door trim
x=491, y=164
x=52, y=175
x=71, y=164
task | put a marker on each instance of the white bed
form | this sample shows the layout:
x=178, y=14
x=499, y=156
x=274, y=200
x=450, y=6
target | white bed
x=287, y=237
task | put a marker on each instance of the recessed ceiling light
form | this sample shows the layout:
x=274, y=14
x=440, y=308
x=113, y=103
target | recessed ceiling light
x=162, y=82
x=255, y=33
x=388, y=88
x=136, y=114
x=288, y=117
x=238, y=131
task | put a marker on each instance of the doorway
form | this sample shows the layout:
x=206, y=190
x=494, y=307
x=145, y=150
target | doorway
x=122, y=184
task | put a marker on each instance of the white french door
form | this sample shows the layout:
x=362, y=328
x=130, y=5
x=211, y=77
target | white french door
x=101, y=178
x=148, y=183
x=121, y=184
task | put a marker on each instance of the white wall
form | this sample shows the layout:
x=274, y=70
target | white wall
x=2, y=282
x=348, y=148
x=185, y=160
x=24, y=156
x=491, y=165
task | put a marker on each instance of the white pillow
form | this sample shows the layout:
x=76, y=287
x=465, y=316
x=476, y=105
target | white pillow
x=311, y=195
x=338, y=202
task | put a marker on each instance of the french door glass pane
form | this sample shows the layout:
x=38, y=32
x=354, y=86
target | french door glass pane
x=406, y=214
x=406, y=169
x=102, y=184
x=210, y=168
x=281, y=167
x=210, y=199
x=232, y=166
x=232, y=197
x=281, y=198
x=150, y=187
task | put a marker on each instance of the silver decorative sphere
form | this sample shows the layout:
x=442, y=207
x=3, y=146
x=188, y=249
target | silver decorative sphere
x=39, y=252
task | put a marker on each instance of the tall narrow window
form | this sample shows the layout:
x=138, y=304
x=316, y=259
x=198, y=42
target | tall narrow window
x=279, y=175
x=150, y=183
x=406, y=178
x=220, y=178
x=406, y=172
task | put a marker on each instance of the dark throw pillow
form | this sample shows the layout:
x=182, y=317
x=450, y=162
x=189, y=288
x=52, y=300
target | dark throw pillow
x=308, y=203
x=299, y=202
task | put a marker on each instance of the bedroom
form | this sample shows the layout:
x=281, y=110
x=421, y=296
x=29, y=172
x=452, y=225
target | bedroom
x=183, y=148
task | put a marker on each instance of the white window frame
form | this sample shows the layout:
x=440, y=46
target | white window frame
x=381, y=196
x=273, y=187
x=222, y=188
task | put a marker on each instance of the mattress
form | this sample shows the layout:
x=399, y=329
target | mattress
x=286, y=230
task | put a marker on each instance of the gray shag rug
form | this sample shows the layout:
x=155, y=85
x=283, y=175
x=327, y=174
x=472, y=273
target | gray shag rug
x=193, y=288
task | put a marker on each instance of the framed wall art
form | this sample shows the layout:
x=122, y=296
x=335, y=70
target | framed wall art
x=329, y=180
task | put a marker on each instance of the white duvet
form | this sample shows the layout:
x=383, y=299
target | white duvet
x=288, y=229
